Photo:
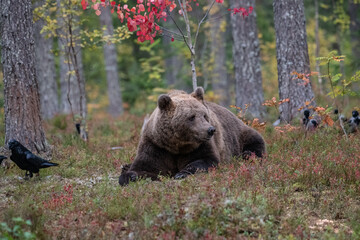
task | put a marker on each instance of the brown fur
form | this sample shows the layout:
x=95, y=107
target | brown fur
x=176, y=141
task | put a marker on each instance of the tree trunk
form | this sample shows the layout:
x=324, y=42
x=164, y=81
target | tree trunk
x=112, y=77
x=45, y=70
x=246, y=55
x=219, y=79
x=292, y=55
x=22, y=104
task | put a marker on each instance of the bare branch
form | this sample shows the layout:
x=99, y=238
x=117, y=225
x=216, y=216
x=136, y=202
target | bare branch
x=202, y=20
x=170, y=31
x=178, y=27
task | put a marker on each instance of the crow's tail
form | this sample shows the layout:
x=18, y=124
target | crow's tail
x=48, y=164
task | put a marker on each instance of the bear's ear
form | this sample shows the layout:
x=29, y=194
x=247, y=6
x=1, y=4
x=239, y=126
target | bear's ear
x=198, y=94
x=164, y=102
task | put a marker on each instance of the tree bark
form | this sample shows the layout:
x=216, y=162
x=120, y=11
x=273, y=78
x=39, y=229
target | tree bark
x=45, y=70
x=292, y=55
x=246, y=55
x=22, y=104
x=219, y=80
x=110, y=56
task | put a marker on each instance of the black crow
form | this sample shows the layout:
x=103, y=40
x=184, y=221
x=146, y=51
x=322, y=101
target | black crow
x=306, y=117
x=337, y=117
x=2, y=158
x=354, y=121
x=77, y=126
x=26, y=160
x=310, y=124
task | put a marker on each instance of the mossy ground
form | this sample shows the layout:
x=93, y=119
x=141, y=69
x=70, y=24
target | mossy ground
x=307, y=187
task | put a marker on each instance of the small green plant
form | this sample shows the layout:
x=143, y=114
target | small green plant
x=17, y=231
x=339, y=87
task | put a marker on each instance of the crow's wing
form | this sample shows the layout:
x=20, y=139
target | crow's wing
x=38, y=161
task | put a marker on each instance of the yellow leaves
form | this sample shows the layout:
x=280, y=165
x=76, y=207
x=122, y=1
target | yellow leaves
x=327, y=120
x=303, y=76
x=257, y=124
x=332, y=56
x=274, y=103
x=338, y=58
x=286, y=128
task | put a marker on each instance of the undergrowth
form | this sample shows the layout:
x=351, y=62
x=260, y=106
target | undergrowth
x=306, y=187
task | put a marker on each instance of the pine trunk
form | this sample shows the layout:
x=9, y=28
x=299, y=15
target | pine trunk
x=292, y=55
x=219, y=79
x=45, y=70
x=112, y=77
x=246, y=55
x=22, y=104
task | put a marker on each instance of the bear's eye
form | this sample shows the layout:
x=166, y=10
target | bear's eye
x=192, y=118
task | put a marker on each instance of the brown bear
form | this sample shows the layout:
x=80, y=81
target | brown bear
x=186, y=134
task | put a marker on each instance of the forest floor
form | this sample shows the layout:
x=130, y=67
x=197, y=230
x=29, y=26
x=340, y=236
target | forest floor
x=307, y=187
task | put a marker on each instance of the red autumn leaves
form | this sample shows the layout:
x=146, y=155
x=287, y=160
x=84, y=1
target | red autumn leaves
x=242, y=11
x=143, y=17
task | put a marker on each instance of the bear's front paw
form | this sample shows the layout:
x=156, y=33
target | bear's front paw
x=125, y=178
x=180, y=175
x=125, y=168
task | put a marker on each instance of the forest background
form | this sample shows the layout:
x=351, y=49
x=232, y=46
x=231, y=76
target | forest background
x=146, y=70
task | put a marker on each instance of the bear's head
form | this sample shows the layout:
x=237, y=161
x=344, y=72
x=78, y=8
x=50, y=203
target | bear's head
x=182, y=121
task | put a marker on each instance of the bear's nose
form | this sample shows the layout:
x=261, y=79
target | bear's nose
x=211, y=131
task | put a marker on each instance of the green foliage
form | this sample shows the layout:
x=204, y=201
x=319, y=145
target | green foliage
x=58, y=16
x=17, y=231
x=60, y=122
x=339, y=86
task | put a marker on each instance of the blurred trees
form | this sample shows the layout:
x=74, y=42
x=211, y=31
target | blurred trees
x=45, y=68
x=146, y=69
x=110, y=57
x=354, y=14
x=72, y=79
x=218, y=76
